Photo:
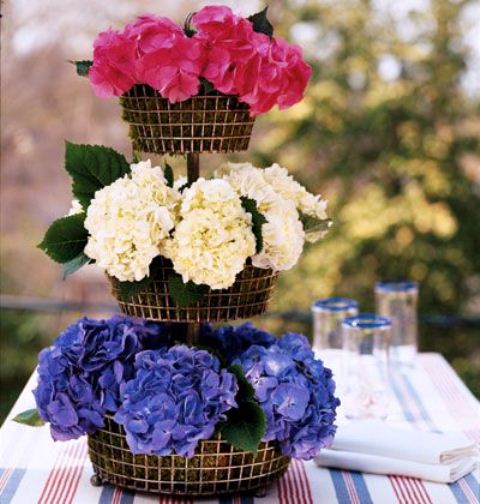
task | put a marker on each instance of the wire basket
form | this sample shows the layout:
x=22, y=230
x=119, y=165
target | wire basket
x=203, y=123
x=216, y=467
x=247, y=297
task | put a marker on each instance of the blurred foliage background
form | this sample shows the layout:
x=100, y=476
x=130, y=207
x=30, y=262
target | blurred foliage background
x=389, y=132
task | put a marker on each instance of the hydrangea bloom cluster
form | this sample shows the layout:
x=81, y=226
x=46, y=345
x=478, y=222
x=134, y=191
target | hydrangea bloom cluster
x=203, y=229
x=214, y=237
x=79, y=376
x=261, y=183
x=296, y=392
x=261, y=70
x=129, y=222
x=309, y=204
x=224, y=49
x=282, y=234
x=176, y=399
x=232, y=341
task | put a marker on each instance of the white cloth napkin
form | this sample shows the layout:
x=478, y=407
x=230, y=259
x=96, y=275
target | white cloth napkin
x=374, y=447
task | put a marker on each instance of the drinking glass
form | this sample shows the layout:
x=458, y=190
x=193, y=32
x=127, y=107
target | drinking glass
x=398, y=301
x=328, y=315
x=365, y=343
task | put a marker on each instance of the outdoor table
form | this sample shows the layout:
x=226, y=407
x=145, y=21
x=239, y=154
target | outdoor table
x=35, y=469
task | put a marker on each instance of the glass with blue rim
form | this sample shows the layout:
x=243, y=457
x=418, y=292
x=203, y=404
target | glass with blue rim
x=398, y=301
x=328, y=315
x=367, y=382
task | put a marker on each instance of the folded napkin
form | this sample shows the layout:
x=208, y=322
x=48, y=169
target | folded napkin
x=373, y=446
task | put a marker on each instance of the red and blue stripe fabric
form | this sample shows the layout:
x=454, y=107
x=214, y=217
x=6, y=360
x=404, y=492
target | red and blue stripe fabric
x=34, y=469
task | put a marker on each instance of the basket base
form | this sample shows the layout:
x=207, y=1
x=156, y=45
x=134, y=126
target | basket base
x=216, y=468
x=258, y=492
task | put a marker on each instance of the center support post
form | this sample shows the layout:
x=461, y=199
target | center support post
x=193, y=172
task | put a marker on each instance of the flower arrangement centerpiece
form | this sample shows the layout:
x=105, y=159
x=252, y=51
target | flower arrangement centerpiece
x=169, y=403
x=166, y=417
x=199, y=87
x=209, y=250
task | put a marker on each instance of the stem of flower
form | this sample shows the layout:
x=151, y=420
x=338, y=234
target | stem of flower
x=193, y=166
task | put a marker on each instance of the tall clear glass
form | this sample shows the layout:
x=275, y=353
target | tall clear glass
x=398, y=301
x=328, y=315
x=365, y=343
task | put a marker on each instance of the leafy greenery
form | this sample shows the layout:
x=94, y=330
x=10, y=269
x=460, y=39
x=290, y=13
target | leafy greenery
x=93, y=167
x=129, y=289
x=82, y=67
x=65, y=239
x=246, y=392
x=258, y=220
x=30, y=417
x=75, y=264
x=245, y=426
x=185, y=294
x=168, y=173
x=261, y=23
x=312, y=224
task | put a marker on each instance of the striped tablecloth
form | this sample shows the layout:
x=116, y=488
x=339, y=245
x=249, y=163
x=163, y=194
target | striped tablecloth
x=34, y=469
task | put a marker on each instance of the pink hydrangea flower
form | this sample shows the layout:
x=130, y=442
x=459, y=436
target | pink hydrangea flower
x=262, y=71
x=174, y=71
x=229, y=42
x=225, y=50
x=114, y=64
x=277, y=76
x=153, y=32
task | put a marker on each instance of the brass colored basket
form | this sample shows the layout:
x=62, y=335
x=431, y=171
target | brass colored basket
x=204, y=123
x=216, y=468
x=247, y=297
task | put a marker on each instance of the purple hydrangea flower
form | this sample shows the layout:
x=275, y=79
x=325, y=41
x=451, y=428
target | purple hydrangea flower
x=79, y=376
x=232, y=341
x=177, y=397
x=296, y=392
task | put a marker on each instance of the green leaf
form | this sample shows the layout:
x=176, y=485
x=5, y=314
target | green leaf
x=207, y=86
x=65, y=239
x=313, y=224
x=130, y=289
x=168, y=173
x=260, y=22
x=258, y=220
x=245, y=426
x=75, y=264
x=245, y=391
x=82, y=67
x=92, y=167
x=30, y=417
x=185, y=294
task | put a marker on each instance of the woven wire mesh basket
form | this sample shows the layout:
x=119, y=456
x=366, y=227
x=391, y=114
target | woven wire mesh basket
x=204, y=123
x=247, y=297
x=216, y=468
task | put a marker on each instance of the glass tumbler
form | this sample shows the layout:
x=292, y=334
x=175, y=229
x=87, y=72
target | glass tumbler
x=328, y=315
x=398, y=301
x=365, y=344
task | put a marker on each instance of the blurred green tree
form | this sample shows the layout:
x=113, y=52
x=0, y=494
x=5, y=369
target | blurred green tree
x=389, y=136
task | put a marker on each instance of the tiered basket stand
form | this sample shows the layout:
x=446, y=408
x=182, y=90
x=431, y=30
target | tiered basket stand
x=210, y=123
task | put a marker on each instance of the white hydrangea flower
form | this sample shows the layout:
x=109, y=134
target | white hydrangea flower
x=289, y=188
x=75, y=208
x=129, y=222
x=214, y=238
x=283, y=240
x=307, y=203
x=283, y=235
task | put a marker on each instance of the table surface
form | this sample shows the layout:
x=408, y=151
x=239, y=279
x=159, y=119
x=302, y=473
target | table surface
x=35, y=469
